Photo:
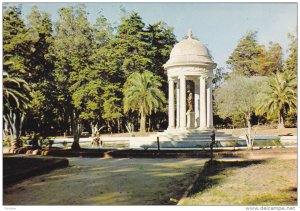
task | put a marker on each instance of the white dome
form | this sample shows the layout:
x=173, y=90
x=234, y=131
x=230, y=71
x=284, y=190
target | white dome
x=189, y=52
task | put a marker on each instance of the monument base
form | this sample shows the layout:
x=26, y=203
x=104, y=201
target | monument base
x=190, y=120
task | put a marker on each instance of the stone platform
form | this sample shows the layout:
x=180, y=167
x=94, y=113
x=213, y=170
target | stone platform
x=187, y=138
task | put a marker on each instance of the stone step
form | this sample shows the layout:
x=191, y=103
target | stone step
x=189, y=135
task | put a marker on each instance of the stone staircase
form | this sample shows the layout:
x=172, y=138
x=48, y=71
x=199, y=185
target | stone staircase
x=191, y=138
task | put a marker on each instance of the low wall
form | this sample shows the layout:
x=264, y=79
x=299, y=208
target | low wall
x=146, y=142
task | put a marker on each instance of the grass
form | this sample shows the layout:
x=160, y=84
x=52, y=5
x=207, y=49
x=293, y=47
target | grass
x=269, y=142
x=259, y=143
x=261, y=182
x=262, y=131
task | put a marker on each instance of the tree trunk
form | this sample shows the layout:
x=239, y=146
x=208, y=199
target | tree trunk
x=76, y=133
x=281, y=120
x=149, y=124
x=143, y=123
x=71, y=128
x=248, y=135
x=14, y=120
x=119, y=125
x=93, y=129
x=109, y=127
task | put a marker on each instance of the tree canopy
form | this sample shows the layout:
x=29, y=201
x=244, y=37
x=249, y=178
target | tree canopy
x=278, y=97
x=142, y=94
x=69, y=76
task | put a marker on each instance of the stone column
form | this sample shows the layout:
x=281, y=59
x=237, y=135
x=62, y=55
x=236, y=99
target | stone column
x=203, y=103
x=197, y=96
x=182, y=102
x=171, y=104
x=209, y=120
x=177, y=104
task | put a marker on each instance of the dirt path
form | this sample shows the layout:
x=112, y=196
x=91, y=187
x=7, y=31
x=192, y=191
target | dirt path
x=92, y=181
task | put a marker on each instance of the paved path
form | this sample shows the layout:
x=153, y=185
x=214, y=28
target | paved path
x=92, y=181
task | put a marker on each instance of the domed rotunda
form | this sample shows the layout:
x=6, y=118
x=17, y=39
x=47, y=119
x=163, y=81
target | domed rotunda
x=190, y=68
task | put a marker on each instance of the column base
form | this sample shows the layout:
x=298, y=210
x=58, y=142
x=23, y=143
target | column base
x=203, y=128
x=171, y=128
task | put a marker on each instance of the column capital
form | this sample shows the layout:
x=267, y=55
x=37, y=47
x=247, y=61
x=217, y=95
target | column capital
x=182, y=77
x=171, y=79
x=205, y=77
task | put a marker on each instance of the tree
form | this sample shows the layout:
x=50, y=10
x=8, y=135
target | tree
x=245, y=59
x=237, y=97
x=130, y=46
x=103, y=31
x=17, y=47
x=220, y=76
x=291, y=62
x=72, y=48
x=112, y=108
x=161, y=38
x=278, y=96
x=15, y=102
x=271, y=61
x=142, y=94
x=42, y=115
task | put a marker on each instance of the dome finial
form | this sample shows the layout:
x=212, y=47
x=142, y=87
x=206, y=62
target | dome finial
x=190, y=34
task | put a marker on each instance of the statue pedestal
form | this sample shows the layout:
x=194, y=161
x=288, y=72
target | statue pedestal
x=190, y=119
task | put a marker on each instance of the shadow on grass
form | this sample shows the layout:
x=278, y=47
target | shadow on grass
x=211, y=174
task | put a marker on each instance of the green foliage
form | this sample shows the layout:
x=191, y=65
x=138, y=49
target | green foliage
x=219, y=77
x=237, y=96
x=251, y=59
x=40, y=31
x=161, y=38
x=15, y=93
x=112, y=108
x=17, y=47
x=102, y=31
x=275, y=58
x=245, y=59
x=292, y=60
x=72, y=48
x=142, y=94
x=42, y=115
x=278, y=96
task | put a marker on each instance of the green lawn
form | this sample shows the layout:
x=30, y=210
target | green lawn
x=261, y=182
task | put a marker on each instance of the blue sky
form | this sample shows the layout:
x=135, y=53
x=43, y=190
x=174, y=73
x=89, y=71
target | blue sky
x=217, y=25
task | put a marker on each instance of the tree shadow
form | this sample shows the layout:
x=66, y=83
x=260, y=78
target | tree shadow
x=211, y=175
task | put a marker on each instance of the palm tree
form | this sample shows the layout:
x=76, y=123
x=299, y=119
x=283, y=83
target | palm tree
x=278, y=97
x=15, y=92
x=142, y=94
x=16, y=100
